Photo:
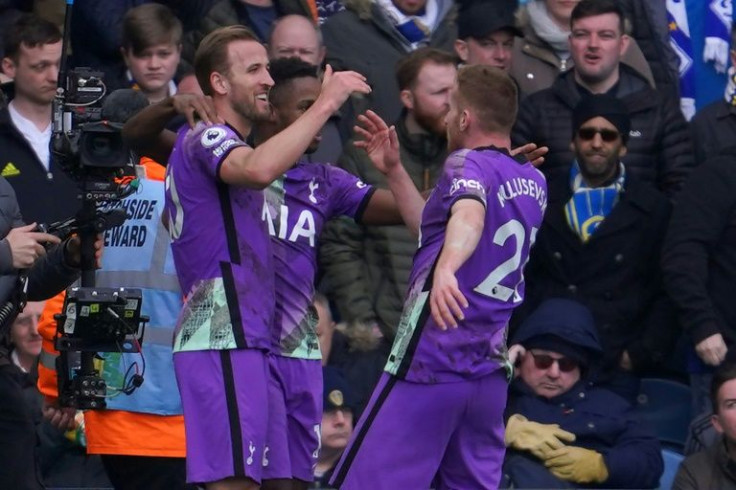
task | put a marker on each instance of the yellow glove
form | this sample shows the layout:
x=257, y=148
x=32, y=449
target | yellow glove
x=577, y=464
x=538, y=439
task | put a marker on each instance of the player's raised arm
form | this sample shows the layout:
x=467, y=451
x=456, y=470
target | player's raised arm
x=259, y=167
x=404, y=202
x=464, y=230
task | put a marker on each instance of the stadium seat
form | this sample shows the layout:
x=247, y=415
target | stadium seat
x=666, y=406
x=672, y=462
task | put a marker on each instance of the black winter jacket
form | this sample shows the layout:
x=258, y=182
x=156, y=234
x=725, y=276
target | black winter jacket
x=659, y=147
x=44, y=197
x=615, y=273
x=601, y=421
x=650, y=30
x=713, y=129
x=699, y=256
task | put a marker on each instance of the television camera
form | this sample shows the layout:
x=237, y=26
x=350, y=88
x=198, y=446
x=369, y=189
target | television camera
x=91, y=150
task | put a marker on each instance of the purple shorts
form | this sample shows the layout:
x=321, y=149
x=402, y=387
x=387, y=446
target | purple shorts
x=411, y=433
x=295, y=414
x=224, y=398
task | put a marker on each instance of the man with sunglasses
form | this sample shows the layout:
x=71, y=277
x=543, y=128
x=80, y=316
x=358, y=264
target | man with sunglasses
x=561, y=430
x=600, y=243
x=660, y=149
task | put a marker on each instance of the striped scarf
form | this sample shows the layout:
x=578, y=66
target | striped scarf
x=731, y=87
x=683, y=47
x=718, y=33
x=416, y=29
x=589, y=206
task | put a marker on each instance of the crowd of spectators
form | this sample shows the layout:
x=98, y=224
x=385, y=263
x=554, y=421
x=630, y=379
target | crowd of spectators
x=630, y=276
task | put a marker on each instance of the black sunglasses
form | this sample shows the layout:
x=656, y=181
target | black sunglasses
x=544, y=361
x=607, y=135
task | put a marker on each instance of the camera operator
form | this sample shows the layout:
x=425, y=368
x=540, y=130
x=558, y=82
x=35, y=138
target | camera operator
x=22, y=251
x=140, y=435
x=32, y=57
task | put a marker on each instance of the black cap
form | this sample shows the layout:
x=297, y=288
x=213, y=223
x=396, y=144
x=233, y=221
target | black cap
x=336, y=390
x=606, y=106
x=480, y=18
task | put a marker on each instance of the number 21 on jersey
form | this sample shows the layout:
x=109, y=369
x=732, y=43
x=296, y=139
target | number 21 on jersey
x=491, y=286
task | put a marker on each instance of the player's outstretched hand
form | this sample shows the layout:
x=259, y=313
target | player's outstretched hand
x=378, y=140
x=26, y=245
x=195, y=106
x=338, y=86
x=532, y=152
x=446, y=301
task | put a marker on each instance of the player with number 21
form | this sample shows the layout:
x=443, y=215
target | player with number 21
x=436, y=415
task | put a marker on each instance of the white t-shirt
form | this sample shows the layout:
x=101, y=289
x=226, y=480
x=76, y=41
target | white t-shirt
x=39, y=140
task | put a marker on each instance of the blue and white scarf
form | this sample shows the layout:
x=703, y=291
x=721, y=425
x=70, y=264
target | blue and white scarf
x=416, y=29
x=589, y=206
x=731, y=87
x=718, y=19
x=683, y=46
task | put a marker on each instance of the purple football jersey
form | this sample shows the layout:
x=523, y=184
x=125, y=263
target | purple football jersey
x=297, y=206
x=515, y=197
x=221, y=247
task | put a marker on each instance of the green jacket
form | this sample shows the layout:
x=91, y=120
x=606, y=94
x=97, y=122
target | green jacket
x=366, y=268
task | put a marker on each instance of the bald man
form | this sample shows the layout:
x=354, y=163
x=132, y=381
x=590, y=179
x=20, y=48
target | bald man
x=296, y=36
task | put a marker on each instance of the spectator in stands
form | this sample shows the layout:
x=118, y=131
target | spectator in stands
x=715, y=466
x=714, y=126
x=371, y=36
x=32, y=56
x=257, y=15
x=25, y=338
x=699, y=266
x=659, y=149
x=151, y=48
x=366, y=268
x=486, y=33
x=651, y=30
x=297, y=36
x=337, y=424
x=96, y=35
x=600, y=244
x=562, y=432
x=544, y=51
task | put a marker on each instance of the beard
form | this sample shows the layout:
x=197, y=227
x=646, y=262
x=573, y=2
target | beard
x=431, y=123
x=251, y=112
x=597, y=170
